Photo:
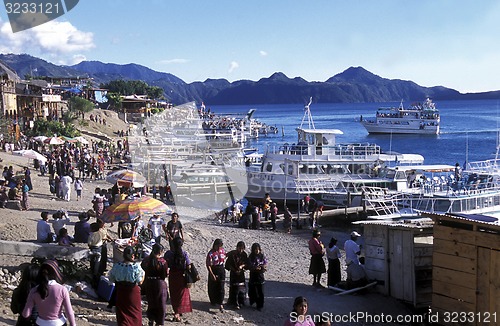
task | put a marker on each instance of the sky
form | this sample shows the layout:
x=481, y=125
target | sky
x=451, y=43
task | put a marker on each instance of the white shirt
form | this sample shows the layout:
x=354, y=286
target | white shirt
x=156, y=224
x=66, y=181
x=333, y=253
x=351, y=249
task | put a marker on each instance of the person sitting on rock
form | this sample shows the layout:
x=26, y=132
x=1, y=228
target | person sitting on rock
x=43, y=232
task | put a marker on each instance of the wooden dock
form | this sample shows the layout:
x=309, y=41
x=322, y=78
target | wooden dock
x=333, y=216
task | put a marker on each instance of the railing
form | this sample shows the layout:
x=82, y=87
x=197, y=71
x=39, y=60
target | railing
x=340, y=151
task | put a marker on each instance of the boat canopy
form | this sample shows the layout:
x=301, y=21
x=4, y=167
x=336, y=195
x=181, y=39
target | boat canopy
x=427, y=168
x=321, y=131
x=403, y=158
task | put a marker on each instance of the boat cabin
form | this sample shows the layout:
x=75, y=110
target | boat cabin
x=415, y=176
x=316, y=141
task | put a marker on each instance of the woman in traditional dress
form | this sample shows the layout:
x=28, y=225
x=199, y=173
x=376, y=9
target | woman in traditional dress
x=216, y=273
x=127, y=276
x=317, y=265
x=333, y=254
x=98, y=202
x=258, y=266
x=27, y=177
x=155, y=286
x=178, y=262
x=25, y=205
x=236, y=263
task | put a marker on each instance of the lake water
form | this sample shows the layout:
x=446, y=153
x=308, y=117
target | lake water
x=469, y=129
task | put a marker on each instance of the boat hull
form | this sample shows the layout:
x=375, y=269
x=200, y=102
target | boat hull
x=377, y=128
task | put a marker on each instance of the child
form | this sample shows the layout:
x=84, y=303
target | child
x=78, y=188
x=299, y=316
x=64, y=239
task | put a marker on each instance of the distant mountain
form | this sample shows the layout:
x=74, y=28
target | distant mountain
x=111, y=71
x=354, y=85
x=25, y=65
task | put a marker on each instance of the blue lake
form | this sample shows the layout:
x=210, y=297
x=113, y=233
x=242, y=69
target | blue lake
x=469, y=129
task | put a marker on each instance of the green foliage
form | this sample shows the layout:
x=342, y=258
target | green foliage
x=114, y=99
x=49, y=128
x=83, y=123
x=131, y=87
x=79, y=104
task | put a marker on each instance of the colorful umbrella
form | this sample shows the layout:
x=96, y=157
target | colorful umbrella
x=127, y=178
x=131, y=208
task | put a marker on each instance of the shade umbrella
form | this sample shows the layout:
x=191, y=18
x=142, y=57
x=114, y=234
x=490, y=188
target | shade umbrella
x=31, y=154
x=82, y=140
x=133, y=207
x=68, y=139
x=40, y=138
x=54, y=141
x=127, y=178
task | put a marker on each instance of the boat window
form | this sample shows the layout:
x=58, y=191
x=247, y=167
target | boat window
x=400, y=175
x=269, y=167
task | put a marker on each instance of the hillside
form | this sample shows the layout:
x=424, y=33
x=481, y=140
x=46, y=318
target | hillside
x=92, y=128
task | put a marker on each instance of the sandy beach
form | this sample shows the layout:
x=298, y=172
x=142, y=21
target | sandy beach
x=287, y=276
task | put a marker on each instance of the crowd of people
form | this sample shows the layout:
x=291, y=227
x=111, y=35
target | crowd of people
x=161, y=274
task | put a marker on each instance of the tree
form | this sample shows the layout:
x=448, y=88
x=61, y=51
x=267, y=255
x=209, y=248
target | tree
x=131, y=87
x=49, y=128
x=114, y=100
x=79, y=105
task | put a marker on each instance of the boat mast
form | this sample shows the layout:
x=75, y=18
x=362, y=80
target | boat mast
x=308, y=116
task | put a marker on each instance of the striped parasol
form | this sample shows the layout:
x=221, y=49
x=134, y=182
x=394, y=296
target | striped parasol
x=127, y=178
x=133, y=207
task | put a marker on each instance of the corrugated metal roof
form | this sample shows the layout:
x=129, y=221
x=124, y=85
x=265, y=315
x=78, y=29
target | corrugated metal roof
x=475, y=218
x=405, y=223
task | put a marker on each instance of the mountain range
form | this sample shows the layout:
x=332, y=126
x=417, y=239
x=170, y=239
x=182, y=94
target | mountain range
x=354, y=85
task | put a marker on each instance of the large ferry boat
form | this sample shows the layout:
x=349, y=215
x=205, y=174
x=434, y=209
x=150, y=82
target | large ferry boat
x=419, y=118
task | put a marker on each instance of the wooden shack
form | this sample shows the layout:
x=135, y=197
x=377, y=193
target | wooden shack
x=466, y=268
x=398, y=255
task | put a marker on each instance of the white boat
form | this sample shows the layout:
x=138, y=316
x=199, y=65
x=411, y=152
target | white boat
x=436, y=189
x=208, y=184
x=419, y=118
x=316, y=164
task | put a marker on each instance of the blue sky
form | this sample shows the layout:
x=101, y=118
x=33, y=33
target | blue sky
x=453, y=43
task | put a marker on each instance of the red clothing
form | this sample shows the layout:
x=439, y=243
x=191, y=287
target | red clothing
x=315, y=246
x=215, y=258
x=128, y=305
x=180, y=296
